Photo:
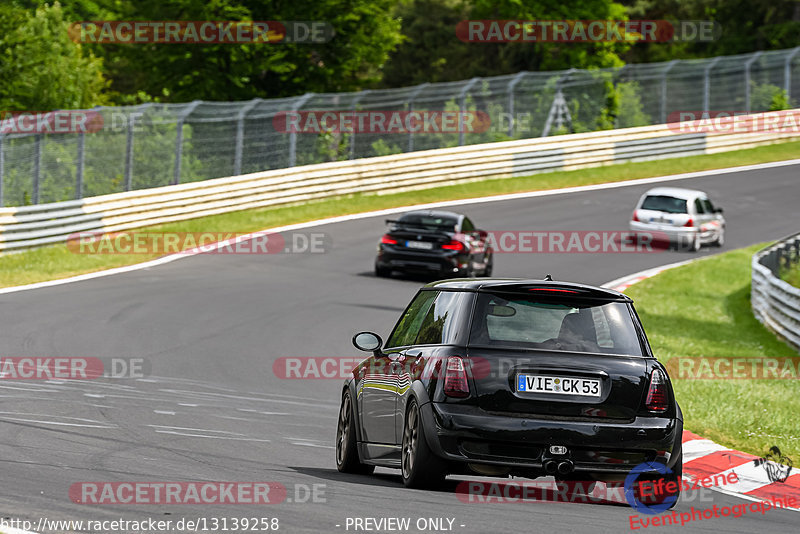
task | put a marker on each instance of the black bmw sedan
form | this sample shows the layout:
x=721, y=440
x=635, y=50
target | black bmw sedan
x=438, y=243
x=517, y=377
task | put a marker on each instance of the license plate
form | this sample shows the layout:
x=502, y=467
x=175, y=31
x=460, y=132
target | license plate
x=558, y=384
x=422, y=245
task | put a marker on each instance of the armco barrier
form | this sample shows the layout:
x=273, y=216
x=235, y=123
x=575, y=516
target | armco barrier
x=31, y=226
x=777, y=303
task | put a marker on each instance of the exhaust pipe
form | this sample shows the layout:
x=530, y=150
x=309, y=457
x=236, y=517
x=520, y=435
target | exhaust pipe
x=565, y=467
x=551, y=466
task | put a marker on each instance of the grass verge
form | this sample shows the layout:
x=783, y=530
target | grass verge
x=53, y=262
x=703, y=309
x=792, y=276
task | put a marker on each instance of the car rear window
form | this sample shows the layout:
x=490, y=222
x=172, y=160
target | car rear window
x=580, y=325
x=429, y=222
x=664, y=203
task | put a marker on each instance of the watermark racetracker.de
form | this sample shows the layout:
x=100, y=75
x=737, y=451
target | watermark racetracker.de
x=71, y=368
x=146, y=242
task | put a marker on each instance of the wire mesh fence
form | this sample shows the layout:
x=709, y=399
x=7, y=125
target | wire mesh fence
x=152, y=145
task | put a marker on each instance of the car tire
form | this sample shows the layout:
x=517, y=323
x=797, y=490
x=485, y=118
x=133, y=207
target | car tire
x=419, y=467
x=675, y=476
x=694, y=246
x=347, y=460
x=382, y=272
x=489, y=266
x=720, y=238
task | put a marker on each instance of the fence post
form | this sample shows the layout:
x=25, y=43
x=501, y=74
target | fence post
x=37, y=166
x=353, y=133
x=2, y=164
x=664, y=89
x=237, y=158
x=176, y=172
x=463, y=105
x=513, y=83
x=80, y=165
x=707, y=83
x=293, y=135
x=129, y=152
x=410, y=101
x=747, y=65
x=787, y=74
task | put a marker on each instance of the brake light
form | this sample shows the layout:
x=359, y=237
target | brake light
x=635, y=217
x=454, y=245
x=690, y=222
x=386, y=240
x=657, y=396
x=455, y=378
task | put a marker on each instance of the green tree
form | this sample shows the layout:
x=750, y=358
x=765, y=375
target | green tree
x=40, y=67
x=364, y=33
x=432, y=52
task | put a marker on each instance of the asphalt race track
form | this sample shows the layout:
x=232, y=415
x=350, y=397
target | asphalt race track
x=210, y=327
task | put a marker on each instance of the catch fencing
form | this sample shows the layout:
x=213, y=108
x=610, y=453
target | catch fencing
x=31, y=226
x=155, y=145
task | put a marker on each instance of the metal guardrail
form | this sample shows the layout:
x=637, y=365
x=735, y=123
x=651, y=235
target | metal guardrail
x=31, y=226
x=776, y=303
x=154, y=145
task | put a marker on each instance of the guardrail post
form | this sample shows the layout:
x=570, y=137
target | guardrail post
x=463, y=105
x=293, y=135
x=2, y=164
x=80, y=165
x=707, y=83
x=37, y=167
x=237, y=158
x=511, y=85
x=353, y=133
x=664, y=89
x=176, y=170
x=410, y=101
x=747, y=65
x=787, y=74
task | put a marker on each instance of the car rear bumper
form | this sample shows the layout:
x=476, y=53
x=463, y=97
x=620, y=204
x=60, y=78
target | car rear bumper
x=467, y=434
x=665, y=231
x=445, y=264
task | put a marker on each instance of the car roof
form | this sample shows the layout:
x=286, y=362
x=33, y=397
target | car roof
x=677, y=192
x=520, y=285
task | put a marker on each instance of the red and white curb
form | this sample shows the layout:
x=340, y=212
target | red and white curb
x=704, y=458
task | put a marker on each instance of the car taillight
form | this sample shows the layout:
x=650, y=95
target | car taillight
x=454, y=245
x=635, y=216
x=386, y=240
x=690, y=222
x=657, y=396
x=455, y=378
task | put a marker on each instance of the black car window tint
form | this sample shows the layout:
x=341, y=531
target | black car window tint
x=664, y=203
x=439, y=321
x=588, y=326
x=407, y=327
x=467, y=226
x=708, y=205
x=699, y=207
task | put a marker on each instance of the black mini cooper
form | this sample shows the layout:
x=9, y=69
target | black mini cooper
x=517, y=377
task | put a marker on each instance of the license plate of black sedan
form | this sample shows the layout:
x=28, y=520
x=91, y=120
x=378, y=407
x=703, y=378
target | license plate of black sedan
x=422, y=245
x=563, y=385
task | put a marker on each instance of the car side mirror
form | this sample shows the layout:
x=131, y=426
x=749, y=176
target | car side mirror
x=483, y=234
x=368, y=342
x=717, y=210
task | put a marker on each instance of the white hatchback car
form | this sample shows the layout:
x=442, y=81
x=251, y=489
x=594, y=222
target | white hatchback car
x=684, y=216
